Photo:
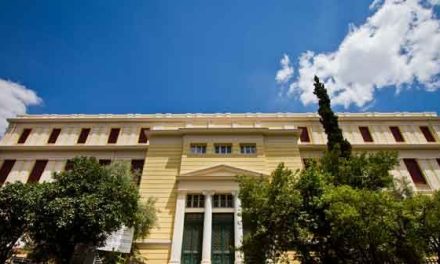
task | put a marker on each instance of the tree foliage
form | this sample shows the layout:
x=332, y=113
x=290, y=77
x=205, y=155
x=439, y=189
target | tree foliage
x=16, y=202
x=329, y=120
x=82, y=206
x=342, y=208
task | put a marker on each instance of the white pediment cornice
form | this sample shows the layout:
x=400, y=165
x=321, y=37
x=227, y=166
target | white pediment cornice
x=220, y=171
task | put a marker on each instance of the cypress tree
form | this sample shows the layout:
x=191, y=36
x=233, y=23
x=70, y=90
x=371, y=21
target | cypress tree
x=328, y=119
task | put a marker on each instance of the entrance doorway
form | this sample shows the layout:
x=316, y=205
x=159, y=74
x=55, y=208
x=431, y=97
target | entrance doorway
x=192, y=238
x=223, y=251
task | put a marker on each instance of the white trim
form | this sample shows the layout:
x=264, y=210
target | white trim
x=179, y=217
x=207, y=232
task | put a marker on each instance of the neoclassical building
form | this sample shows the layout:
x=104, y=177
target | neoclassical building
x=189, y=162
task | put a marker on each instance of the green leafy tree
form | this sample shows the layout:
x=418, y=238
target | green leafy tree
x=270, y=209
x=16, y=201
x=347, y=208
x=329, y=120
x=83, y=206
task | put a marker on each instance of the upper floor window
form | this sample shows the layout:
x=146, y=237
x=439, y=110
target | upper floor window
x=143, y=135
x=366, y=135
x=304, y=136
x=414, y=171
x=24, y=135
x=198, y=148
x=54, y=135
x=83, y=135
x=427, y=133
x=248, y=148
x=223, y=201
x=223, y=148
x=398, y=137
x=5, y=170
x=114, y=134
x=195, y=201
x=37, y=171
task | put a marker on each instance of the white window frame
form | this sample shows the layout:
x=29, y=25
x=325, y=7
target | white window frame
x=223, y=149
x=248, y=149
x=198, y=149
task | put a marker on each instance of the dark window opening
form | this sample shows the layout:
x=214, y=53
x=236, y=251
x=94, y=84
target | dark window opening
x=114, y=134
x=304, y=137
x=24, y=135
x=37, y=171
x=137, y=166
x=5, y=170
x=366, y=135
x=143, y=135
x=69, y=165
x=104, y=162
x=83, y=135
x=306, y=162
x=415, y=171
x=427, y=133
x=54, y=135
x=398, y=137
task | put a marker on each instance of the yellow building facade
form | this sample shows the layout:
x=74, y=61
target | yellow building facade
x=189, y=162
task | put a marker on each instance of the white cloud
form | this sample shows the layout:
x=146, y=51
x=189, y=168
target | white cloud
x=14, y=99
x=398, y=45
x=286, y=72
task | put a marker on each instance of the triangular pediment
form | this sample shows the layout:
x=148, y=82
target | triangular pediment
x=219, y=171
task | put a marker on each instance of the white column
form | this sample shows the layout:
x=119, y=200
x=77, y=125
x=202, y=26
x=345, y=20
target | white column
x=207, y=229
x=238, y=229
x=179, y=217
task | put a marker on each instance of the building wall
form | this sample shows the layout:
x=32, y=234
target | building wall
x=168, y=155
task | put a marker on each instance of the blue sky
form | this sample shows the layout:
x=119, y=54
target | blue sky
x=184, y=56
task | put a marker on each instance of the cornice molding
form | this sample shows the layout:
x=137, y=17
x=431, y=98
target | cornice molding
x=18, y=148
x=373, y=146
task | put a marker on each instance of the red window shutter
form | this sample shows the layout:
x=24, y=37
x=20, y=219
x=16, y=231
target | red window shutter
x=104, y=162
x=24, y=135
x=83, y=135
x=366, y=135
x=54, y=135
x=113, y=137
x=37, y=171
x=5, y=170
x=427, y=133
x=415, y=171
x=143, y=136
x=304, y=137
x=397, y=134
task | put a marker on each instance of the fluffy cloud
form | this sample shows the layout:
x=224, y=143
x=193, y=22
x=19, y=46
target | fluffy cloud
x=286, y=72
x=14, y=99
x=398, y=45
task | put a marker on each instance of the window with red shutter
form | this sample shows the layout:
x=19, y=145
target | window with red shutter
x=104, y=162
x=427, y=133
x=5, y=170
x=83, y=135
x=143, y=135
x=415, y=171
x=54, y=135
x=114, y=134
x=37, y=171
x=304, y=137
x=24, y=135
x=366, y=135
x=398, y=137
